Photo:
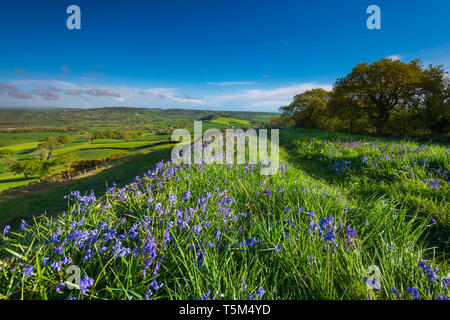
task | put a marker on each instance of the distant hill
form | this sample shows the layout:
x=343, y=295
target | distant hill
x=111, y=116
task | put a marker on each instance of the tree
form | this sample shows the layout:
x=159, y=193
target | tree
x=30, y=167
x=309, y=109
x=87, y=136
x=48, y=145
x=275, y=122
x=64, y=139
x=381, y=87
x=341, y=106
x=434, y=99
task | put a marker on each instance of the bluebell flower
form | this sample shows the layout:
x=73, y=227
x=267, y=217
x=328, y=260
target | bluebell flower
x=28, y=271
x=429, y=271
x=276, y=249
x=414, y=292
x=88, y=255
x=23, y=225
x=197, y=229
x=260, y=292
x=85, y=283
x=172, y=197
x=395, y=291
x=6, y=229
x=218, y=234
x=446, y=283
x=59, y=286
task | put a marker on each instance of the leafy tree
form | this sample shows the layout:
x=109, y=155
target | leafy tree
x=341, y=106
x=30, y=167
x=64, y=139
x=309, y=109
x=275, y=122
x=435, y=99
x=381, y=87
x=49, y=144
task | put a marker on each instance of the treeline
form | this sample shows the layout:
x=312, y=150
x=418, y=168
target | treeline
x=115, y=134
x=215, y=116
x=43, y=129
x=386, y=97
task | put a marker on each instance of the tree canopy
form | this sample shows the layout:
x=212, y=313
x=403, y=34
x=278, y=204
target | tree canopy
x=30, y=167
x=384, y=97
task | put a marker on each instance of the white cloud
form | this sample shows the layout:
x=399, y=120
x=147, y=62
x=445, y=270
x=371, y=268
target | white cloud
x=51, y=83
x=394, y=57
x=169, y=94
x=67, y=94
x=266, y=99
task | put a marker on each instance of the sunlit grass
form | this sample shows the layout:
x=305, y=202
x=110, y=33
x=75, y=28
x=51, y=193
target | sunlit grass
x=309, y=232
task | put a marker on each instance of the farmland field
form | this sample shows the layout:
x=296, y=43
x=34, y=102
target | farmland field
x=339, y=205
x=25, y=130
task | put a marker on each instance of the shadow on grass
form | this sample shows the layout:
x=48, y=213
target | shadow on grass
x=16, y=180
x=417, y=202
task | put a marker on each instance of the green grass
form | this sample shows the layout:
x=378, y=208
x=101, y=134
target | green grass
x=93, y=154
x=49, y=198
x=22, y=146
x=308, y=232
x=96, y=149
x=10, y=180
x=120, y=145
x=9, y=139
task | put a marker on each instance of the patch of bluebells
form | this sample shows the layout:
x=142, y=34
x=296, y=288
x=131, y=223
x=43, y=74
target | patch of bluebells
x=252, y=295
x=432, y=182
x=207, y=295
x=342, y=166
x=28, y=271
x=414, y=293
x=85, y=283
x=330, y=231
x=153, y=287
x=429, y=271
x=144, y=239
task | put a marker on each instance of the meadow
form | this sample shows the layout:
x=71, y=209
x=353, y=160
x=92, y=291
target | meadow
x=22, y=130
x=339, y=205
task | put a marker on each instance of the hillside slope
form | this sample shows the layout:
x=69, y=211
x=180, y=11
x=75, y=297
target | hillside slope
x=217, y=231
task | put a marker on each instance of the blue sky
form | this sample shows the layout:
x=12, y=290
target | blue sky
x=250, y=55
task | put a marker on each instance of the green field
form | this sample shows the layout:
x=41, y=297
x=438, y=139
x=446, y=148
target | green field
x=80, y=149
x=24, y=130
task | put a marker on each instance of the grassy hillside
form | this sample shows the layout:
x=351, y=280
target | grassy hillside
x=339, y=205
